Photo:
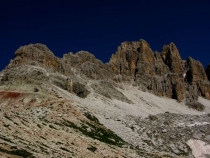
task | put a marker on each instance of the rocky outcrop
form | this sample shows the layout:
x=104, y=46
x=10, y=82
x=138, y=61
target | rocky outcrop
x=38, y=55
x=133, y=59
x=80, y=90
x=124, y=62
x=24, y=74
x=77, y=88
x=158, y=73
x=87, y=64
x=161, y=73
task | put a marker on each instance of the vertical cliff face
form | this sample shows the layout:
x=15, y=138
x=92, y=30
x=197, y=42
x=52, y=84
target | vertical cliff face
x=124, y=62
x=133, y=59
x=137, y=58
x=146, y=61
x=172, y=58
x=164, y=73
x=159, y=73
x=195, y=71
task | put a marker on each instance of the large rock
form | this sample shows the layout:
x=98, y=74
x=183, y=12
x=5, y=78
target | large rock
x=77, y=88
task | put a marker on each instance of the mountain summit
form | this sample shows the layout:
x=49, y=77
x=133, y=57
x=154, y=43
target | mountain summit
x=78, y=106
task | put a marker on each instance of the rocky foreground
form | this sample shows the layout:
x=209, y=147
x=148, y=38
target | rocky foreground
x=140, y=104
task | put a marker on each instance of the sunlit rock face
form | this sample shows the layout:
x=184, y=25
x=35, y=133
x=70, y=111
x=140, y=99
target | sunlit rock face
x=172, y=58
x=196, y=75
x=140, y=104
x=161, y=73
x=37, y=55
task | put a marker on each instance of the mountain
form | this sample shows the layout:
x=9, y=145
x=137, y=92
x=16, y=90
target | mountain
x=140, y=104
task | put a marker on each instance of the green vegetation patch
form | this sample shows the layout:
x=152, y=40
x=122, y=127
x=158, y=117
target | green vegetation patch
x=91, y=117
x=5, y=139
x=6, y=125
x=51, y=126
x=64, y=149
x=43, y=137
x=23, y=153
x=38, y=125
x=7, y=117
x=43, y=150
x=97, y=132
x=92, y=148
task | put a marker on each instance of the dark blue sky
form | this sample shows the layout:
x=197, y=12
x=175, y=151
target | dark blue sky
x=100, y=26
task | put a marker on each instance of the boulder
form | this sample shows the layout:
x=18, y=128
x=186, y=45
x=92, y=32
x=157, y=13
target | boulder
x=80, y=90
x=77, y=88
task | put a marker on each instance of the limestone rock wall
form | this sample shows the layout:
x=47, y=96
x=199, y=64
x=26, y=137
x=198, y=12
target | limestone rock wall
x=162, y=73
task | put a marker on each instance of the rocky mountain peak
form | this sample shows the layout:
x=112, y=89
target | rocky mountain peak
x=147, y=103
x=164, y=73
x=36, y=54
x=172, y=58
x=144, y=44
